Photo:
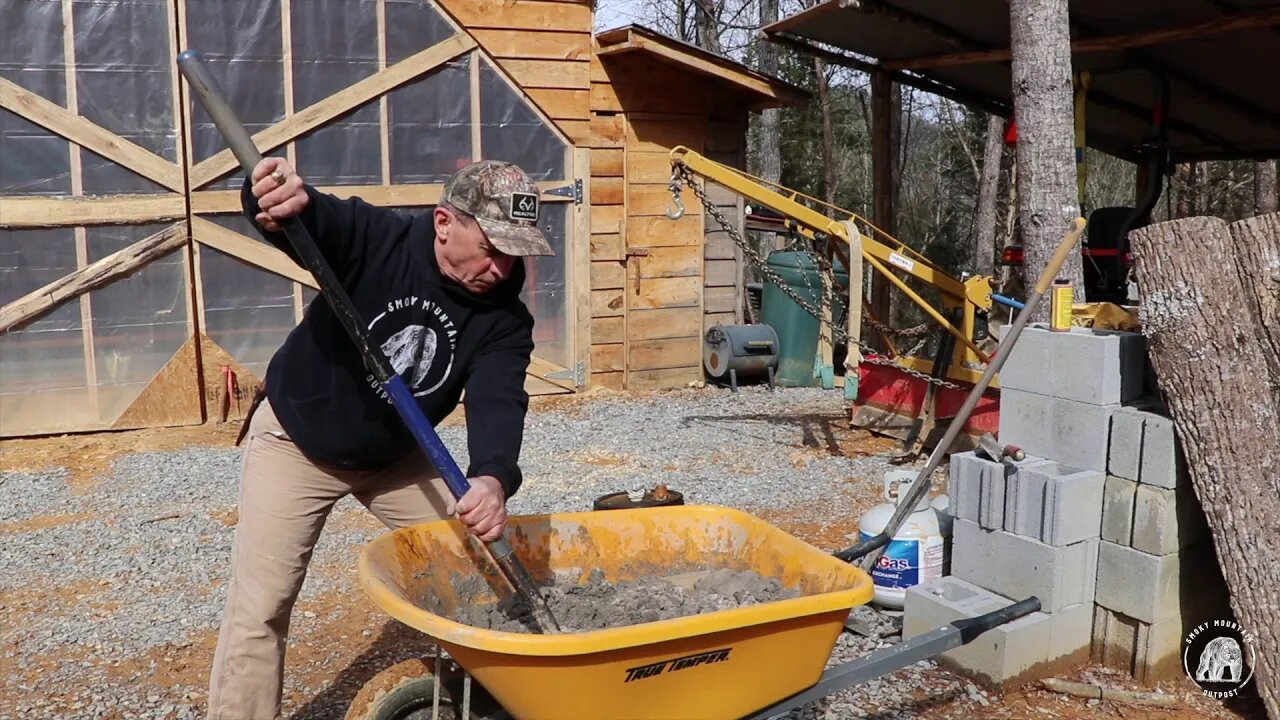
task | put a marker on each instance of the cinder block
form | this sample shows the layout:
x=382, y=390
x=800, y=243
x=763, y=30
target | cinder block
x=1026, y=649
x=1117, y=510
x=1072, y=503
x=1124, y=452
x=1017, y=566
x=1024, y=500
x=994, y=478
x=1150, y=652
x=1163, y=464
x=1070, y=432
x=1152, y=588
x=964, y=486
x=1166, y=521
x=1100, y=367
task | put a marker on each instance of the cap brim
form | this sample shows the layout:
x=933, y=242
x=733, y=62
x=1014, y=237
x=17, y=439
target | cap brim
x=519, y=240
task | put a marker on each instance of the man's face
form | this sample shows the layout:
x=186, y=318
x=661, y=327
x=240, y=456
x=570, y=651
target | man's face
x=466, y=255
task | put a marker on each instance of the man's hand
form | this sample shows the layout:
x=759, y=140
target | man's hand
x=279, y=192
x=483, y=509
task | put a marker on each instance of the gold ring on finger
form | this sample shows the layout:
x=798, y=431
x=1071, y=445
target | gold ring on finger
x=278, y=177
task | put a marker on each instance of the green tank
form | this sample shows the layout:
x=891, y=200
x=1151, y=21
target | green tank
x=796, y=327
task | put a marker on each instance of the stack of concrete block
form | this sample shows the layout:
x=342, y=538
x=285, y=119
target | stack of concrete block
x=1021, y=529
x=1097, y=521
x=1158, y=575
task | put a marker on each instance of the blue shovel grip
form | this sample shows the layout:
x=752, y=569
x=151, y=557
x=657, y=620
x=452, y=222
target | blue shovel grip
x=426, y=436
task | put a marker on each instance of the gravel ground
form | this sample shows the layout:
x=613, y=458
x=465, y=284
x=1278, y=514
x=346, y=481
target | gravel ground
x=110, y=596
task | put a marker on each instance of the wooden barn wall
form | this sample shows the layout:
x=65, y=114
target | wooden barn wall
x=545, y=45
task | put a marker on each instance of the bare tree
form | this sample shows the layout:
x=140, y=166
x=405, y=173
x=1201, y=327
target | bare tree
x=1264, y=187
x=988, y=189
x=1042, y=95
x=708, y=25
x=770, y=130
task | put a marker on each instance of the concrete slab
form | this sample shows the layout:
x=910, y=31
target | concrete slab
x=1124, y=451
x=1072, y=503
x=1163, y=463
x=1152, y=588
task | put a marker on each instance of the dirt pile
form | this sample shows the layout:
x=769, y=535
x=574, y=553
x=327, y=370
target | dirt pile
x=600, y=605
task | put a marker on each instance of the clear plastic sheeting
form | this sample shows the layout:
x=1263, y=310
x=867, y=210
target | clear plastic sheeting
x=42, y=363
x=511, y=131
x=139, y=322
x=335, y=45
x=413, y=26
x=35, y=160
x=546, y=291
x=248, y=311
x=240, y=42
x=125, y=85
x=430, y=124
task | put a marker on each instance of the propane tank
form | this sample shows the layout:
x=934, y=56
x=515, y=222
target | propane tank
x=917, y=553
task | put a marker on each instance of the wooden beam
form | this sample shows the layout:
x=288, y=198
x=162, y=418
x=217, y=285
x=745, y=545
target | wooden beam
x=541, y=369
x=701, y=65
x=407, y=195
x=962, y=95
x=28, y=211
x=1228, y=23
x=336, y=104
x=254, y=252
x=57, y=119
x=116, y=265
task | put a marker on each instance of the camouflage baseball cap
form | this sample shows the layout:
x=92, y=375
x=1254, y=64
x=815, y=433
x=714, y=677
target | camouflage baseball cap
x=504, y=201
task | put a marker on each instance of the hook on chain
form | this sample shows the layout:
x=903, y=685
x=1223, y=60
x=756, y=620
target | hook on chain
x=674, y=186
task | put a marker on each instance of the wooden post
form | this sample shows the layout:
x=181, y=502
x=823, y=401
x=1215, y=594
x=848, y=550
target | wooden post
x=884, y=171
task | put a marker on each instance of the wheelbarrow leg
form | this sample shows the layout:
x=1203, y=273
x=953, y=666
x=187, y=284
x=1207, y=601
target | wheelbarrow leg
x=909, y=652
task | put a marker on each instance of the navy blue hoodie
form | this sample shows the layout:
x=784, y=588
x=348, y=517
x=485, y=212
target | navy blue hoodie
x=440, y=337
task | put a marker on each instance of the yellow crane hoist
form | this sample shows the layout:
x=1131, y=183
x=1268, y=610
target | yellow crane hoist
x=965, y=303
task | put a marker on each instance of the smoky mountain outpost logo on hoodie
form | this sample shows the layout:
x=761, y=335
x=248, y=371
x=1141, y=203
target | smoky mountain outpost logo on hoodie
x=419, y=339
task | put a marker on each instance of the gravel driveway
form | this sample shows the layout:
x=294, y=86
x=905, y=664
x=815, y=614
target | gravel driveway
x=110, y=595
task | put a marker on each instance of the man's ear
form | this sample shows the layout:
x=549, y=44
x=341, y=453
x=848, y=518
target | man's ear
x=442, y=221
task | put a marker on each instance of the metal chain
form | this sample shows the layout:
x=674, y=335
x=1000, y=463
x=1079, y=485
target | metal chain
x=682, y=175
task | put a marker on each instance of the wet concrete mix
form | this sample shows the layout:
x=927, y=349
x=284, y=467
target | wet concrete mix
x=599, y=604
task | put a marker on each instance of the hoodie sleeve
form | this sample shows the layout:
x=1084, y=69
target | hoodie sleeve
x=496, y=403
x=347, y=232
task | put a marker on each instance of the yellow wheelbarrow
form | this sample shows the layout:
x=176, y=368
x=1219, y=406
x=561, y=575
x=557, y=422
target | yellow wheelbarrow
x=756, y=661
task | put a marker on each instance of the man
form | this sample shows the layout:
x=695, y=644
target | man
x=439, y=294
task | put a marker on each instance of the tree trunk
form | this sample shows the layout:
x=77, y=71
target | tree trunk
x=1264, y=187
x=988, y=189
x=1042, y=97
x=1201, y=342
x=708, y=26
x=828, y=135
x=1256, y=251
x=886, y=111
x=770, y=144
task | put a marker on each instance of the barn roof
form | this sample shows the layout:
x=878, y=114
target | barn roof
x=762, y=89
x=1217, y=56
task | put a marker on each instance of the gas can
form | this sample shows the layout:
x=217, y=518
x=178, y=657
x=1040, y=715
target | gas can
x=1061, y=298
x=917, y=552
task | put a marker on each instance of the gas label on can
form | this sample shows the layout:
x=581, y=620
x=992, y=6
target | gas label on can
x=907, y=563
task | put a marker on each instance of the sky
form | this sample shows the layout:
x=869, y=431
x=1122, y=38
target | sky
x=612, y=13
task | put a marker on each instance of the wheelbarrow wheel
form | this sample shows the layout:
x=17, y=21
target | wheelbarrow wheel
x=406, y=691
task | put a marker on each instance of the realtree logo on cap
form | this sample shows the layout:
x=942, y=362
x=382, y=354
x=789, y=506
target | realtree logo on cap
x=524, y=206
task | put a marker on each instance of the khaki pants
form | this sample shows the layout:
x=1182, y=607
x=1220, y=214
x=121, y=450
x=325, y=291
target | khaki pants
x=284, y=501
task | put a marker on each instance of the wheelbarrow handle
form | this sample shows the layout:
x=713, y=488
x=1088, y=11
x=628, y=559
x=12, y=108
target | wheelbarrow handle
x=971, y=628
x=237, y=137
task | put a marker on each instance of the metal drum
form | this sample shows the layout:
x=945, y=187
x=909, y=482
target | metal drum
x=730, y=350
